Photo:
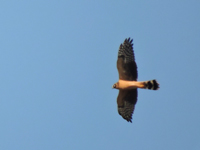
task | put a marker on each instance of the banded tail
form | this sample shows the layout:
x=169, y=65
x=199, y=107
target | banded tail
x=151, y=85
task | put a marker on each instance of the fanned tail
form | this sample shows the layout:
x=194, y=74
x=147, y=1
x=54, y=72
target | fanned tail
x=151, y=85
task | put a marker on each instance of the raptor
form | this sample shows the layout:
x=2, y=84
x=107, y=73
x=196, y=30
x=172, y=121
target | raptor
x=128, y=84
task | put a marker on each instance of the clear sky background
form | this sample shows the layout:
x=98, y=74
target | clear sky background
x=58, y=64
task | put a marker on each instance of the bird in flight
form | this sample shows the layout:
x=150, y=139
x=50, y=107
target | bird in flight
x=128, y=84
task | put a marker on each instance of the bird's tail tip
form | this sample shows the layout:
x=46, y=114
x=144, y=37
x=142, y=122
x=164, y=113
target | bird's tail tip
x=152, y=85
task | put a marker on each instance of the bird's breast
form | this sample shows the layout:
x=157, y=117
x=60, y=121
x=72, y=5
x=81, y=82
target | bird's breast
x=127, y=85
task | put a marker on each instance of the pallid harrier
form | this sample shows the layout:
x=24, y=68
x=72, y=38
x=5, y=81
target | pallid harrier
x=128, y=84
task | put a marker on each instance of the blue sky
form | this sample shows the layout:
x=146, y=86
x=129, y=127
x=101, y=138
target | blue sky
x=58, y=64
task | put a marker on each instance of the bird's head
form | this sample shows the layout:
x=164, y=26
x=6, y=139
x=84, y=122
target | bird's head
x=116, y=85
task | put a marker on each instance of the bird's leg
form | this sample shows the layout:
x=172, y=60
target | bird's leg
x=137, y=84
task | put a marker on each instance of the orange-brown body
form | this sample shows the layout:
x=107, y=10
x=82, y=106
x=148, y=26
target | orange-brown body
x=128, y=85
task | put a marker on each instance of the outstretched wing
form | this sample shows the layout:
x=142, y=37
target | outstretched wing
x=126, y=64
x=127, y=69
x=126, y=101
